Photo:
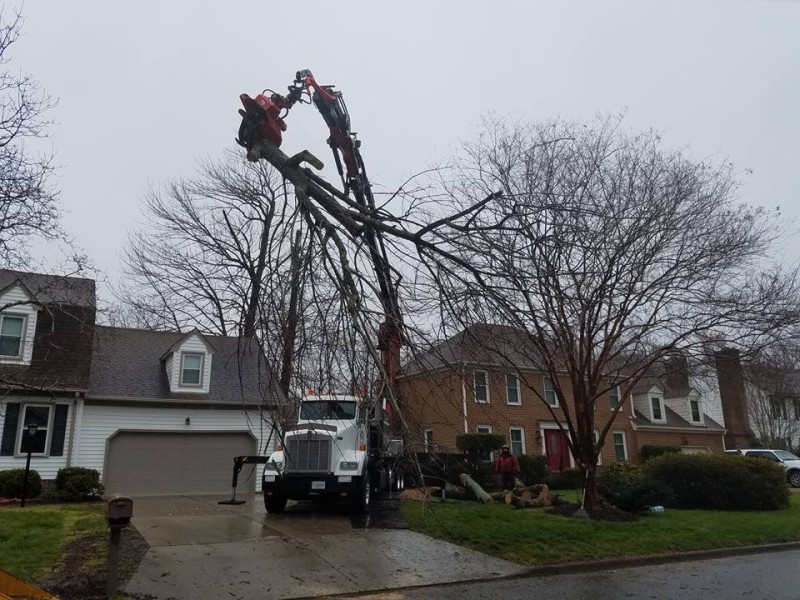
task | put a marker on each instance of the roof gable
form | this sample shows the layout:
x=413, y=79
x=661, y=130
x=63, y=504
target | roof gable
x=194, y=333
x=127, y=364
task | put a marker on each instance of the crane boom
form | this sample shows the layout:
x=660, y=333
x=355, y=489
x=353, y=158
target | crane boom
x=263, y=118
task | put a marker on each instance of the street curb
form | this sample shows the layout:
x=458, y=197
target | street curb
x=575, y=568
x=655, y=559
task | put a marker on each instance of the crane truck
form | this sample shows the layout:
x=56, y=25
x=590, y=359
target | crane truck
x=340, y=447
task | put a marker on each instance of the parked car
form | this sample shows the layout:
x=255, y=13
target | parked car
x=786, y=459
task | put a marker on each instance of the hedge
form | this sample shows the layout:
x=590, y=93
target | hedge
x=626, y=487
x=571, y=479
x=649, y=451
x=721, y=482
x=76, y=484
x=11, y=483
x=533, y=469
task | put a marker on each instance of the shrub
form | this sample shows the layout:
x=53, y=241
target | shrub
x=477, y=446
x=649, y=451
x=533, y=469
x=721, y=482
x=76, y=484
x=626, y=487
x=571, y=479
x=11, y=483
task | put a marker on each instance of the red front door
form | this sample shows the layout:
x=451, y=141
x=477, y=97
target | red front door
x=557, y=449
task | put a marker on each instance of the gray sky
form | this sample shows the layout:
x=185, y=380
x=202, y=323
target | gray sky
x=147, y=88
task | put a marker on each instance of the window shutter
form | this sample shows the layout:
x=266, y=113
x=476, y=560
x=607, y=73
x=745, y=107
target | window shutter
x=59, y=430
x=10, y=429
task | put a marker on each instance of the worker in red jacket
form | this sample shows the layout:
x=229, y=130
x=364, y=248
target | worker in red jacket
x=507, y=468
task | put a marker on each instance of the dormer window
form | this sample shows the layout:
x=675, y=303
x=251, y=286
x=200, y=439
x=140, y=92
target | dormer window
x=192, y=369
x=694, y=410
x=657, y=409
x=12, y=329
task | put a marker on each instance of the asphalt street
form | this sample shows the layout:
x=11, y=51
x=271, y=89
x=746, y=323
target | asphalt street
x=770, y=576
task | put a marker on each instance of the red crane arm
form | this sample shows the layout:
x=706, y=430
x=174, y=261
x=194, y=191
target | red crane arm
x=263, y=119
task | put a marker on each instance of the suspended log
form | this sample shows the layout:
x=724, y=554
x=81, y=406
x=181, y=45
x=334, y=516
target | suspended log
x=479, y=492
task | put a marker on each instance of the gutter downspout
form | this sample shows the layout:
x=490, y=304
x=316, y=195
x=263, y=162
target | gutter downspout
x=464, y=395
x=75, y=426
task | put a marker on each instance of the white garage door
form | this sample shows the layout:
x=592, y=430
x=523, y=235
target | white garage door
x=162, y=463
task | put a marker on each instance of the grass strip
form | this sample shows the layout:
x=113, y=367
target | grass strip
x=531, y=537
x=33, y=539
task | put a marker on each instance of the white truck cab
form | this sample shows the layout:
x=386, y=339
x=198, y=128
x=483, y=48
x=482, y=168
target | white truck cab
x=326, y=453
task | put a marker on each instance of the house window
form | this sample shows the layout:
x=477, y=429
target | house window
x=778, y=408
x=40, y=416
x=481, y=386
x=427, y=437
x=620, y=447
x=694, y=409
x=512, y=389
x=488, y=456
x=191, y=368
x=550, y=393
x=517, y=435
x=656, y=408
x=613, y=397
x=11, y=331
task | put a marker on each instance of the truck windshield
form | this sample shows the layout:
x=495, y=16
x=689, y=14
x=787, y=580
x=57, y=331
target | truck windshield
x=328, y=410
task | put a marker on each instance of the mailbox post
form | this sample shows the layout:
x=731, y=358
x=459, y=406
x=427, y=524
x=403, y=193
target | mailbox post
x=119, y=511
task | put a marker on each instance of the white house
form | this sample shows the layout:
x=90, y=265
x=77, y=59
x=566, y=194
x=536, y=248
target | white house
x=154, y=412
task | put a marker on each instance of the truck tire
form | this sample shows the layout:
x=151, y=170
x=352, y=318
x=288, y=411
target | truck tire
x=363, y=497
x=275, y=503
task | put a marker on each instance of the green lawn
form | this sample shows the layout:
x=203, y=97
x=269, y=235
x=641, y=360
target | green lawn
x=531, y=537
x=33, y=539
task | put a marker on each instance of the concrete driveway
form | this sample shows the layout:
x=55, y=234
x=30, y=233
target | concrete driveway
x=200, y=549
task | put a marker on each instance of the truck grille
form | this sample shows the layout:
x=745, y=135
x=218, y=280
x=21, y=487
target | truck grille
x=308, y=455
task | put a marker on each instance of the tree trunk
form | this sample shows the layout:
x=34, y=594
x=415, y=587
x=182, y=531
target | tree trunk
x=479, y=492
x=290, y=333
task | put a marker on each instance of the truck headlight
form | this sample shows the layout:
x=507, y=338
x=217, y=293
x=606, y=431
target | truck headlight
x=273, y=466
x=348, y=466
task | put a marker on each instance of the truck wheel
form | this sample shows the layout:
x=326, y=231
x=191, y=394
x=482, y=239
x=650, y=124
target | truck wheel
x=275, y=503
x=362, y=499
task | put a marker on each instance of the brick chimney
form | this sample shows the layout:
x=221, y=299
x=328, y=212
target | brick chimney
x=734, y=399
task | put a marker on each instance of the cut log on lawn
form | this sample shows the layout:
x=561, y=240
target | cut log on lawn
x=479, y=492
x=544, y=496
x=456, y=492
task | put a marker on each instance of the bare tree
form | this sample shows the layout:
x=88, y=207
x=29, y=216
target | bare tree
x=28, y=205
x=772, y=394
x=228, y=252
x=604, y=254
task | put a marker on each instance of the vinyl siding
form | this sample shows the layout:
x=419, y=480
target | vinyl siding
x=100, y=422
x=11, y=298
x=46, y=466
x=173, y=365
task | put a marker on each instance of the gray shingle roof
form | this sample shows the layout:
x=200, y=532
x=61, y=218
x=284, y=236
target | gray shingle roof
x=53, y=289
x=483, y=344
x=126, y=364
x=675, y=420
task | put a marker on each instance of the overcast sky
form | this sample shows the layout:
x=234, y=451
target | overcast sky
x=147, y=88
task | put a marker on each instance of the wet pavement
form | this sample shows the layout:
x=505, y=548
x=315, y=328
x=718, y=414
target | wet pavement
x=200, y=549
x=768, y=576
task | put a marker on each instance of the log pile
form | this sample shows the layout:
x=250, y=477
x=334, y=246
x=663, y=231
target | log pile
x=534, y=496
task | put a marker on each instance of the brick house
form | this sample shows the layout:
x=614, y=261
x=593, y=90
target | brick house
x=154, y=412
x=459, y=386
